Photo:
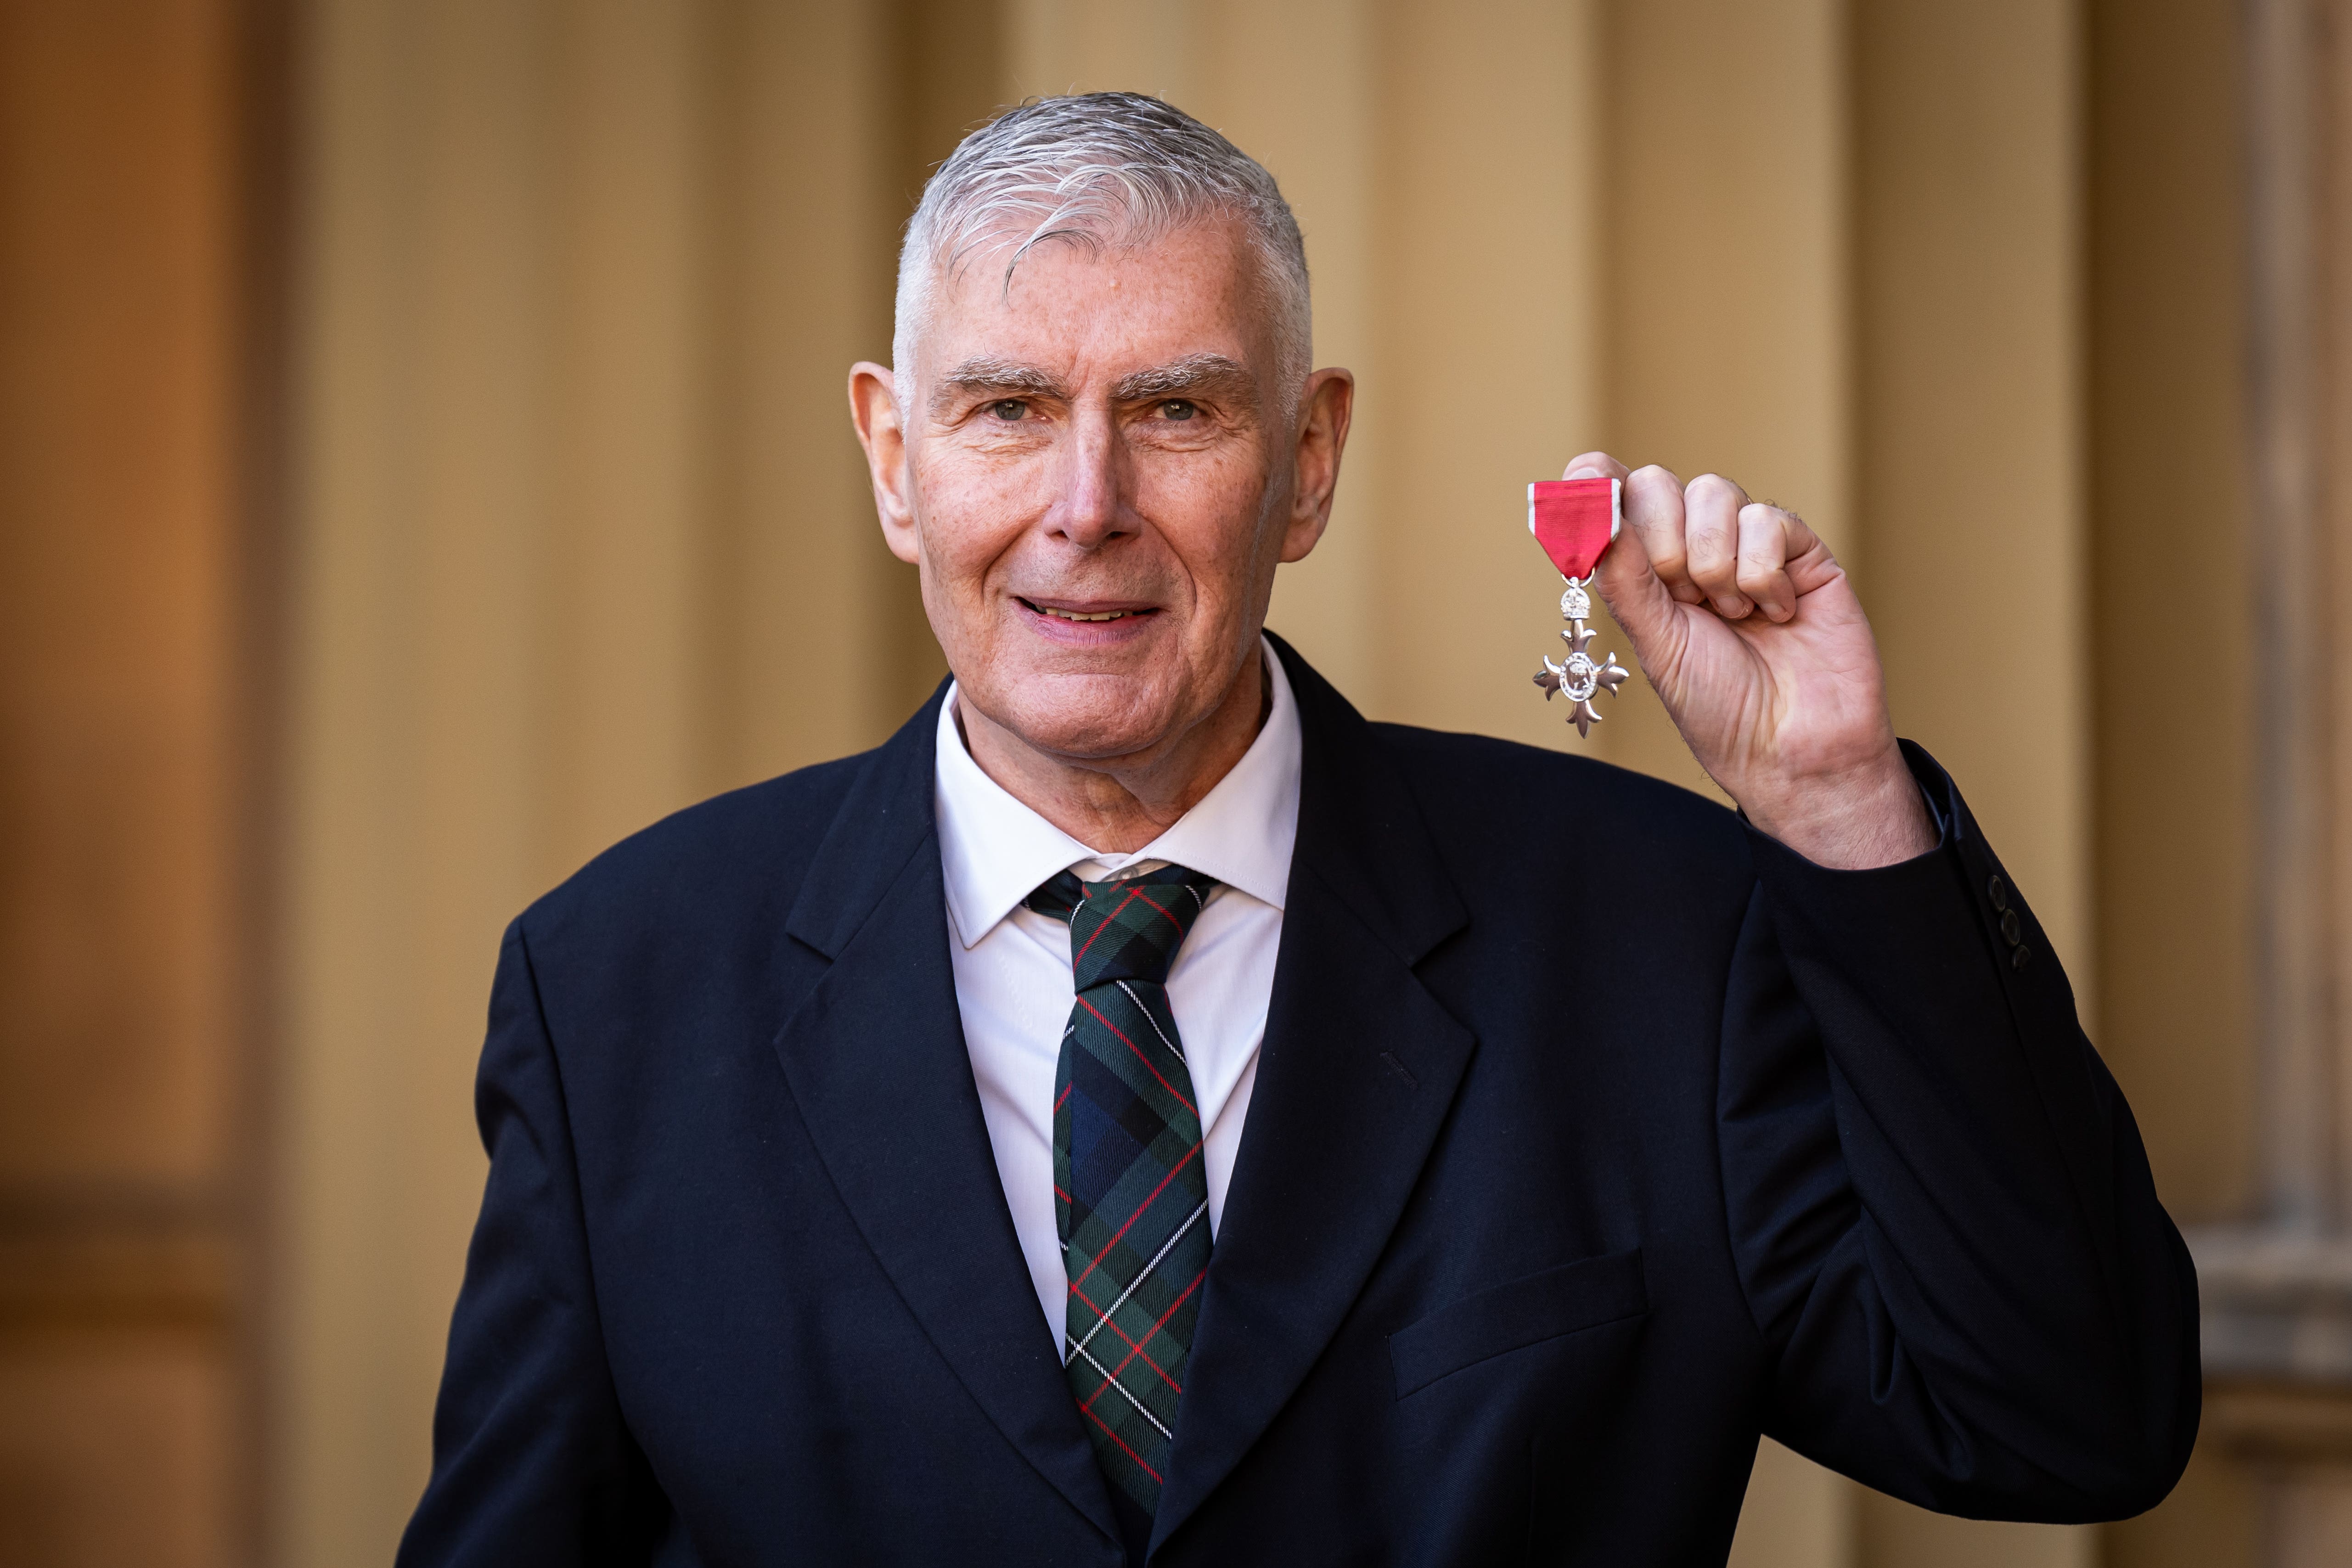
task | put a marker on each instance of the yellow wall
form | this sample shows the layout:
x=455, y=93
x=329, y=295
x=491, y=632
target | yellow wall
x=2169, y=510
x=1969, y=430
x=582, y=536
x=1727, y=343
x=2169, y=601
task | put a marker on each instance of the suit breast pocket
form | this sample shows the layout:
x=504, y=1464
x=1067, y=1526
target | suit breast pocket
x=1524, y=1311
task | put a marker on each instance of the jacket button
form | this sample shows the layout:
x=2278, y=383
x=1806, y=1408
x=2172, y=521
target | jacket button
x=1997, y=891
x=2012, y=930
x=2020, y=958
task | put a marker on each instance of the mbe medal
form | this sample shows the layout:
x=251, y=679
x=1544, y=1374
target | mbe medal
x=1574, y=520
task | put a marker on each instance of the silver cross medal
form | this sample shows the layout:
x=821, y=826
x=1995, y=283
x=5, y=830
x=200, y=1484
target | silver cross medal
x=1574, y=520
x=1580, y=677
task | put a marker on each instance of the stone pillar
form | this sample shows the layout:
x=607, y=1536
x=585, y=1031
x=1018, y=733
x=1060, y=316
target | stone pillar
x=2278, y=1290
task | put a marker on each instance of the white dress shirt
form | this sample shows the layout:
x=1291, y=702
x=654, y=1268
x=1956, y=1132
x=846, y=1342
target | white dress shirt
x=1012, y=964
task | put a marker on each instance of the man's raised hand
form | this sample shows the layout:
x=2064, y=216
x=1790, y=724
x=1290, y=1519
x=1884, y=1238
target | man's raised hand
x=1751, y=635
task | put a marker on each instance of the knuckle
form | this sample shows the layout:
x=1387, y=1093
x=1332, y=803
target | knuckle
x=1715, y=488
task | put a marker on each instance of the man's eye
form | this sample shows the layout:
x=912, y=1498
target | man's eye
x=1178, y=408
x=1009, y=408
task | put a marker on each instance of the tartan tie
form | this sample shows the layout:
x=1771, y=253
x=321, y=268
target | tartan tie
x=1130, y=1198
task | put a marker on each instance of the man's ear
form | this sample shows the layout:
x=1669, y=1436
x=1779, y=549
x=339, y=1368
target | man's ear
x=1329, y=404
x=874, y=409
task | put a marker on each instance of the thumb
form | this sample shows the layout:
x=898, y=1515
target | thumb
x=1644, y=607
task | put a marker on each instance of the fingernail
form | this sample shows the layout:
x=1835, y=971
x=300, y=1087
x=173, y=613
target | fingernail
x=1731, y=606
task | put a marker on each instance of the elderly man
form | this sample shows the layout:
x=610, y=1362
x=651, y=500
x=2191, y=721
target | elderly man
x=1145, y=1112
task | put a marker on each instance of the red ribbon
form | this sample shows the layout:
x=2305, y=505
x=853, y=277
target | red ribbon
x=1574, y=519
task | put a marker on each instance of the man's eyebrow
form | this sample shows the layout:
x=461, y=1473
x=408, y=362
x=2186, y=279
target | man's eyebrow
x=1193, y=373
x=1003, y=376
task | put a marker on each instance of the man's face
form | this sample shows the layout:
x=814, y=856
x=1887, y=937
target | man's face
x=1098, y=473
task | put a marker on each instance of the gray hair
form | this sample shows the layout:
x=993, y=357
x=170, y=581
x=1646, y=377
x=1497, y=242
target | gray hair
x=1094, y=169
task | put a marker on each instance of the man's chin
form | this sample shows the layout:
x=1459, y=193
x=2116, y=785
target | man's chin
x=1091, y=716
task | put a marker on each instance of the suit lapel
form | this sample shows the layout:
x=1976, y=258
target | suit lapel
x=1359, y=1067
x=877, y=1066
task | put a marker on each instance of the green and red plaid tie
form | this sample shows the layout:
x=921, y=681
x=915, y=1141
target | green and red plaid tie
x=1130, y=1198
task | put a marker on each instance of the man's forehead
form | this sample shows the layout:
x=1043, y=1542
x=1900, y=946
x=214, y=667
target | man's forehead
x=1090, y=313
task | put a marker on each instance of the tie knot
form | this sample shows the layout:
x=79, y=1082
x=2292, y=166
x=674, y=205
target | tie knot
x=1127, y=929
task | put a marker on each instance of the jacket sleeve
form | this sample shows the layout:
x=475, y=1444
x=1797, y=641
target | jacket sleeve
x=1939, y=1204
x=533, y=1462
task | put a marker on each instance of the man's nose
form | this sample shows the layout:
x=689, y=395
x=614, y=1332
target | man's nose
x=1090, y=509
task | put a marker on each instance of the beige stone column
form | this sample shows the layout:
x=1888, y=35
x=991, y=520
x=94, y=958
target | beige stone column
x=1968, y=439
x=2277, y=1287
x=135, y=225
x=1728, y=332
x=1968, y=419
x=1486, y=275
x=581, y=535
x=415, y=734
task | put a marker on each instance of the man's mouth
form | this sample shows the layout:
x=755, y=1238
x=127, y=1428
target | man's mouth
x=1064, y=612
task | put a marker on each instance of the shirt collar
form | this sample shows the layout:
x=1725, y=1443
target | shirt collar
x=995, y=851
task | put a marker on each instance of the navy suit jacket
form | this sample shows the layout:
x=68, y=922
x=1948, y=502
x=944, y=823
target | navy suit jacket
x=1594, y=1134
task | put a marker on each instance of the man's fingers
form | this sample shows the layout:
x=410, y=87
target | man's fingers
x=1702, y=544
x=1594, y=465
x=1653, y=512
x=1711, y=541
x=1764, y=554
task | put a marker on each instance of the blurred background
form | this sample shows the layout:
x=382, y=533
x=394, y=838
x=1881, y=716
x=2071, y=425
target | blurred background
x=422, y=460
